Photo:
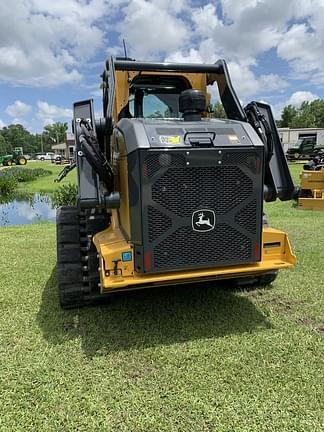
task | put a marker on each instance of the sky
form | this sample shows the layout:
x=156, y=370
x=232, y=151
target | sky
x=53, y=52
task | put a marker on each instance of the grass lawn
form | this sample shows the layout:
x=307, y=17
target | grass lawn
x=170, y=359
x=46, y=184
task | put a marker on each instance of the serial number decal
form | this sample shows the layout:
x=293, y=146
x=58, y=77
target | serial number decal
x=170, y=139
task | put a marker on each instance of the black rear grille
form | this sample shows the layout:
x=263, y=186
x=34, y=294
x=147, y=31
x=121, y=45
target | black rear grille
x=158, y=223
x=185, y=247
x=247, y=217
x=248, y=160
x=184, y=190
x=178, y=185
x=155, y=161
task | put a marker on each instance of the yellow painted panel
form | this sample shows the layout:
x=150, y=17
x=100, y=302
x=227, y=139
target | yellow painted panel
x=276, y=254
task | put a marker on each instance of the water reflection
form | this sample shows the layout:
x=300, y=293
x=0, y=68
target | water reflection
x=26, y=209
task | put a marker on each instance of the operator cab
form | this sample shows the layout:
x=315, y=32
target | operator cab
x=152, y=96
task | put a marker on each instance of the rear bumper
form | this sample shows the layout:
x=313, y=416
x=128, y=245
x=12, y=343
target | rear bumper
x=311, y=190
x=276, y=255
x=311, y=203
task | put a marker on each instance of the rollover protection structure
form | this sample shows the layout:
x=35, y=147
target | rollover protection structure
x=167, y=194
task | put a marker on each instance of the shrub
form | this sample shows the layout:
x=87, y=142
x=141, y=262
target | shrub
x=10, y=177
x=65, y=195
x=8, y=184
x=26, y=174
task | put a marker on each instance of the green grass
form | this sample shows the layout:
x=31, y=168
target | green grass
x=169, y=359
x=46, y=184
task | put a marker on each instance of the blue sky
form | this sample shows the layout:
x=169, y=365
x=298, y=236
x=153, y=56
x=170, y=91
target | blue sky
x=52, y=53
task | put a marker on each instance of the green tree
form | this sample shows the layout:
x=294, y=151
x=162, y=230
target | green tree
x=305, y=117
x=55, y=133
x=308, y=115
x=15, y=135
x=4, y=146
x=219, y=111
x=289, y=113
x=317, y=107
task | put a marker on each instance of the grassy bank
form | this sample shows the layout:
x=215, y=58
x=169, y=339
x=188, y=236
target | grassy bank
x=171, y=359
x=46, y=184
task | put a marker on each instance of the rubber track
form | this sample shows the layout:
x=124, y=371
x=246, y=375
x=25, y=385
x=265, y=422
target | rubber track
x=77, y=262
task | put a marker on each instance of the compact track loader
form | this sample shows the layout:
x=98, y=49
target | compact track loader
x=166, y=194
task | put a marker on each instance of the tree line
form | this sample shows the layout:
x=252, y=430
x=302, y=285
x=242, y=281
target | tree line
x=16, y=135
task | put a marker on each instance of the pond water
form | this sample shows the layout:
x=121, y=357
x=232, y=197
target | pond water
x=26, y=210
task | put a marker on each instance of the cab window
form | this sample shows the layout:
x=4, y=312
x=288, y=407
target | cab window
x=155, y=96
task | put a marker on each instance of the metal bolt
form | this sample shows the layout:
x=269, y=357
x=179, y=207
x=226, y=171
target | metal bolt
x=219, y=151
x=187, y=163
x=219, y=162
x=187, y=153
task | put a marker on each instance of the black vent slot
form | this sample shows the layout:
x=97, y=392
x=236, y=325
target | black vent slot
x=184, y=190
x=155, y=161
x=247, y=217
x=158, y=223
x=185, y=247
x=247, y=159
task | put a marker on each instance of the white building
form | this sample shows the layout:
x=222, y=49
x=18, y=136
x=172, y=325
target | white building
x=66, y=149
x=289, y=136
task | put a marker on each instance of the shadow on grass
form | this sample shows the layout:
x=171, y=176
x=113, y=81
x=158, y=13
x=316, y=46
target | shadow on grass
x=151, y=317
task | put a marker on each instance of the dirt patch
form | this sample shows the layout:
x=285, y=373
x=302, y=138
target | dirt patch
x=281, y=304
x=313, y=324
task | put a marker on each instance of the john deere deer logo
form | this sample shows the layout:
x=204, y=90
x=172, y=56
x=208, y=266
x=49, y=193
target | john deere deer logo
x=203, y=220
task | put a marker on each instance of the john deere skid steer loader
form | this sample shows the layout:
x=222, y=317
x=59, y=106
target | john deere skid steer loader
x=167, y=194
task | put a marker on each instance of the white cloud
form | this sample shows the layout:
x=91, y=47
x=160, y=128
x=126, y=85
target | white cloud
x=244, y=30
x=297, y=98
x=247, y=84
x=2, y=124
x=20, y=121
x=247, y=28
x=152, y=28
x=48, y=43
x=45, y=110
x=49, y=114
x=302, y=45
x=192, y=56
x=43, y=42
x=206, y=20
x=48, y=121
x=18, y=109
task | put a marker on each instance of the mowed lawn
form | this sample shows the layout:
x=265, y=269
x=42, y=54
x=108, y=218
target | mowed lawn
x=44, y=184
x=170, y=359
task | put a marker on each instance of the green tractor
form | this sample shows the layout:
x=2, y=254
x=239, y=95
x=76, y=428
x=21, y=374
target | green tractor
x=16, y=157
